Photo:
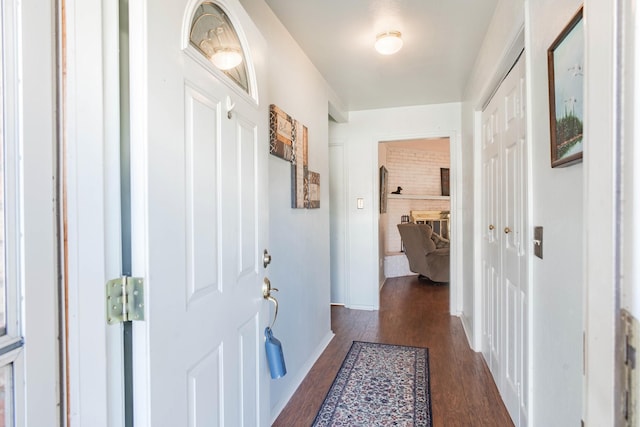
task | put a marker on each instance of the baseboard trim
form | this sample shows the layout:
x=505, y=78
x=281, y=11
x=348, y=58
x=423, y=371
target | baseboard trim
x=363, y=307
x=466, y=328
x=279, y=406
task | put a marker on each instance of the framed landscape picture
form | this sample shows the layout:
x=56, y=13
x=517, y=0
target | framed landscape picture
x=566, y=93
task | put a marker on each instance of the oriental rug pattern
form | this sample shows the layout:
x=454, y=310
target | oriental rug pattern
x=379, y=385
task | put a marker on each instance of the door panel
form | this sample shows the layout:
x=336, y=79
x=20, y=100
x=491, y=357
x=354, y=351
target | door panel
x=510, y=392
x=202, y=115
x=524, y=360
x=205, y=389
x=496, y=322
x=250, y=365
x=247, y=139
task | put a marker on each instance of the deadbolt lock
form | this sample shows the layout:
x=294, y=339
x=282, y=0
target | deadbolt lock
x=266, y=258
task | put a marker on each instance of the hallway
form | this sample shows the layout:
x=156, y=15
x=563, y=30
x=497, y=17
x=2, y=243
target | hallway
x=416, y=313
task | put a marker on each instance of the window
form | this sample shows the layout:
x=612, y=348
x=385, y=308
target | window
x=213, y=35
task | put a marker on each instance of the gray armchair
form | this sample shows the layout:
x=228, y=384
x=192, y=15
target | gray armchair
x=424, y=257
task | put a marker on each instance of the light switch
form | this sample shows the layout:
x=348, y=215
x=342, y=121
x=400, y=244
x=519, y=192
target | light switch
x=537, y=241
x=360, y=202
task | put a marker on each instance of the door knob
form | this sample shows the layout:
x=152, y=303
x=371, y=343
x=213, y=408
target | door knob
x=507, y=230
x=266, y=288
x=266, y=294
x=491, y=227
x=266, y=259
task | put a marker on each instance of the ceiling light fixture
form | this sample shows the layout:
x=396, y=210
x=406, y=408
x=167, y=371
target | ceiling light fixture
x=223, y=57
x=389, y=42
x=226, y=58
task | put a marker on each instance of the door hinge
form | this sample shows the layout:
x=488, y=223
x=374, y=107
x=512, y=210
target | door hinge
x=630, y=381
x=125, y=299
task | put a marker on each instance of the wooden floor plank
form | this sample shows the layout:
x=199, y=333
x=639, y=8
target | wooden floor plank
x=412, y=312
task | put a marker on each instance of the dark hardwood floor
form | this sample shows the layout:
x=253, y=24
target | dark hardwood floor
x=412, y=312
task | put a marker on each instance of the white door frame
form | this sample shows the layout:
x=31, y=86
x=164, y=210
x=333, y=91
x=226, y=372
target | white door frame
x=30, y=214
x=601, y=210
x=91, y=161
x=629, y=246
x=29, y=61
x=455, y=165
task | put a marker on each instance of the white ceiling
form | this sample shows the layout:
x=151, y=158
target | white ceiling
x=441, y=40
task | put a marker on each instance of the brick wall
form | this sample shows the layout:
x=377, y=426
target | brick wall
x=418, y=173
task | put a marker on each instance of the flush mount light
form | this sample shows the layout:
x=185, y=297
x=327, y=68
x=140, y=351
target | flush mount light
x=389, y=42
x=223, y=57
x=226, y=58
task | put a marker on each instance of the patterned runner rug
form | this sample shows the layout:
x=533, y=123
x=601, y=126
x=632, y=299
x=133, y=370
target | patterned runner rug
x=379, y=385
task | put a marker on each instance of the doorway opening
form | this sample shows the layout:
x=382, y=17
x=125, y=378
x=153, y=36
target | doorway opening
x=414, y=188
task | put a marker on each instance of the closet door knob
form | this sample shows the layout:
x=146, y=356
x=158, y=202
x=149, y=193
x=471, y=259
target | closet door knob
x=507, y=230
x=491, y=227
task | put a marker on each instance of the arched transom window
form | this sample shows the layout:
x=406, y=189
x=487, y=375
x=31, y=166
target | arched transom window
x=214, y=36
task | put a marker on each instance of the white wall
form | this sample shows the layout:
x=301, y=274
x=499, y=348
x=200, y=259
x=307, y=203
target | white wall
x=361, y=135
x=556, y=288
x=299, y=238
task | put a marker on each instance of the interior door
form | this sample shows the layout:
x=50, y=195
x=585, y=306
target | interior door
x=513, y=236
x=505, y=304
x=491, y=267
x=198, y=226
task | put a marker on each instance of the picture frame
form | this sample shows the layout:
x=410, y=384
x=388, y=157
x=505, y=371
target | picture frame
x=444, y=181
x=383, y=189
x=313, y=194
x=565, y=59
x=282, y=134
x=300, y=167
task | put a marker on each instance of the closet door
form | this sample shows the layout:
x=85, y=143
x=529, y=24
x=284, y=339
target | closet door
x=505, y=302
x=491, y=260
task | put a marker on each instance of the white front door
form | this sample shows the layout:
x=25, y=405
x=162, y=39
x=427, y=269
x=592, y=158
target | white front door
x=198, y=164
x=505, y=301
